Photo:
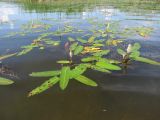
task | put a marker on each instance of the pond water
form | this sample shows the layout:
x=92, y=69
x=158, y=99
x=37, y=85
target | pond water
x=133, y=95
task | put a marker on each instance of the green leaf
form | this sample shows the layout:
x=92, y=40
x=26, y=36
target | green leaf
x=41, y=48
x=108, y=27
x=78, y=70
x=6, y=56
x=99, y=41
x=71, y=39
x=106, y=65
x=112, y=61
x=64, y=77
x=78, y=50
x=86, y=81
x=98, y=45
x=134, y=54
x=121, y=52
x=51, y=42
x=91, y=39
x=4, y=81
x=94, y=67
x=81, y=40
x=146, y=60
x=45, y=74
x=101, y=53
x=56, y=43
x=25, y=51
x=136, y=47
x=46, y=85
x=63, y=61
x=89, y=59
x=73, y=46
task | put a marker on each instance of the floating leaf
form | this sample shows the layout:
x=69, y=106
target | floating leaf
x=98, y=45
x=146, y=60
x=91, y=50
x=106, y=65
x=94, y=67
x=45, y=74
x=56, y=43
x=71, y=39
x=121, y=52
x=46, y=85
x=89, y=59
x=78, y=70
x=25, y=51
x=41, y=48
x=73, y=46
x=112, y=61
x=99, y=41
x=86, y=81
x=144, y=31
x=78, y=50
x=63, y=61
x=51, y=42
x=113, y=42
x=143, y=34
x=81, y=40
x=134, y=54
x=108, y=28
x=101, y=53
x=136, y=47
x=4, y=81
x=64, y=77
x=91, y=39
x=6, y=56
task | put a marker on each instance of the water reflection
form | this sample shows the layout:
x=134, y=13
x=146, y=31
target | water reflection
x=6, y=12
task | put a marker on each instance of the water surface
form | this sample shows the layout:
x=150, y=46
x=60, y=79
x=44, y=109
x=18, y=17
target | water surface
x=131, y=96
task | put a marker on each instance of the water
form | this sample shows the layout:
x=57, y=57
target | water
x=131, y=96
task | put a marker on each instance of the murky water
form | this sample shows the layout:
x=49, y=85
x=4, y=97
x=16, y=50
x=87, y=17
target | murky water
x=131, y=96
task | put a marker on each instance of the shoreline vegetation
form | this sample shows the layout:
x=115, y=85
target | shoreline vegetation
x=71, y=6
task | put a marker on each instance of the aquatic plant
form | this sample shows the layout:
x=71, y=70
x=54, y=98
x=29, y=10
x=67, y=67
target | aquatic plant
x=141, y=31
x=41, y=42
x=2, y=57
x=95, y=61
x=92, y=48
x=132, y=53
x=62, y=76
x=4, y=81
